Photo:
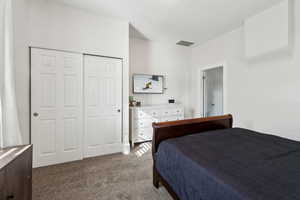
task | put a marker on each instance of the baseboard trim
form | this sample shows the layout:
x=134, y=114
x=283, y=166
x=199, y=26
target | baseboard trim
x=126, y=148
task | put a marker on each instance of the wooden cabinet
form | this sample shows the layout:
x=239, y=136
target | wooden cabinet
x=2, y=195
x=16, y=173
x=142, y=118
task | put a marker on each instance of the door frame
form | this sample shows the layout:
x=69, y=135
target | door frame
x=199, y=100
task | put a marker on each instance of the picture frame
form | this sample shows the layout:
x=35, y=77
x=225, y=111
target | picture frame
x=147, y=84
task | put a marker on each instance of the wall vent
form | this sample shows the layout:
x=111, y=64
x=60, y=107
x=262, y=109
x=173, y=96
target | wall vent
x=185, y=43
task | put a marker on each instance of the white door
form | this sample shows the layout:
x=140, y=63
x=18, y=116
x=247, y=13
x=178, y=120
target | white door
x=56, y=106
x=103, y=105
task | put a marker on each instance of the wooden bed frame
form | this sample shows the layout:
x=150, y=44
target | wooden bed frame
x=166, y=130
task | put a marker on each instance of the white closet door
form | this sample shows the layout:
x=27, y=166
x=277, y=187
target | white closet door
x=103, y=105
x=56, y=106
x=72, y=112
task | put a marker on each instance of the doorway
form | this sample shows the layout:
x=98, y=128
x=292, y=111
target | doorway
x=213, y=91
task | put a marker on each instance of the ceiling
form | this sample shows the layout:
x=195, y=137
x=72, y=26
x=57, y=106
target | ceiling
x=174, y=20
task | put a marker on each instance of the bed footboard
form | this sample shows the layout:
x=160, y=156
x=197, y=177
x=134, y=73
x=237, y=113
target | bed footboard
x=166, y=130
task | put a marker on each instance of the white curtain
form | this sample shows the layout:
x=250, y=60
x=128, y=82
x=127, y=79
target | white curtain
x=10, y=134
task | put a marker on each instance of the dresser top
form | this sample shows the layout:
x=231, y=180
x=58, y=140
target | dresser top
x=7, y=155
x=157, y=106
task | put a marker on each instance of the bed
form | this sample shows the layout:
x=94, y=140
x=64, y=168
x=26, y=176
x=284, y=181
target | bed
x=207, y=159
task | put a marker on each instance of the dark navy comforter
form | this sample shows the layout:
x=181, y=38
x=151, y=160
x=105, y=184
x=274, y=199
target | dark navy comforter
x=231, y=164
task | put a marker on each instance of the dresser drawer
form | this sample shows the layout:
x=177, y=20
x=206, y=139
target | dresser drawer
x=143, y=117
x=172, y=118
x=166, y=112
x=144, y=123
x=179, y=117
x=141, y=114
x=173, y=111
x=146, y=114
x=155, y=113
x=144, y=134
x=177, y=111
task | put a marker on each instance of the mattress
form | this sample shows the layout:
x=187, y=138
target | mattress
x=231, y=164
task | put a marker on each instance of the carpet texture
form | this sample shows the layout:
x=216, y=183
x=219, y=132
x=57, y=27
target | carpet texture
x=112, y=177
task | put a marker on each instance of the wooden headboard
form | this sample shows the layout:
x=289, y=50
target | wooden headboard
x=167, y=130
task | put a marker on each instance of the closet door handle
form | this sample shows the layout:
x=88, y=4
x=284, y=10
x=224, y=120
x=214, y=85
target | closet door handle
x=119, y=110
x=35, y=114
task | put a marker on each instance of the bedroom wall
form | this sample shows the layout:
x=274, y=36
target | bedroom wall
x=170, y=60
x=43, y=23
x=21, y=61
x=262, y=94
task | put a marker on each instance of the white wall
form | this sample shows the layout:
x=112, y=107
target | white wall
x=268, y=31
x=263, y=94
x=42, y=23
x=21, y=61
x=172, y=61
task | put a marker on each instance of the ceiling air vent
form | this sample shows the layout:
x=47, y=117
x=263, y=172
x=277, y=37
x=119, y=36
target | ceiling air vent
x=185, y=43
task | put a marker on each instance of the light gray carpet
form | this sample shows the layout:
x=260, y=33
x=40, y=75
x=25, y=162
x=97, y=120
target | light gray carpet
x=113, y=177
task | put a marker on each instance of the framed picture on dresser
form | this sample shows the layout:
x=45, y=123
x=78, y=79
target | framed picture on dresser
x=148, y=84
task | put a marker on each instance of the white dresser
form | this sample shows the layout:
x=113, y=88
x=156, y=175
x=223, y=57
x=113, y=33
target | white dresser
x=141, y=119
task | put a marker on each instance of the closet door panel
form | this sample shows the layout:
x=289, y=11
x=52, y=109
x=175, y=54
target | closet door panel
x=72, y=132
x=103, y=105
x=56, y=106
x=45, y=106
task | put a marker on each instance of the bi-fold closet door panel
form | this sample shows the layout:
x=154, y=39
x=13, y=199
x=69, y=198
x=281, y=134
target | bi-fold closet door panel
x=56, y=106
x=103, y=105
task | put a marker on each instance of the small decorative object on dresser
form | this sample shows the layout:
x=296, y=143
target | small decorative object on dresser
x=16, y=173
x=142, y=118
x=171, y=100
